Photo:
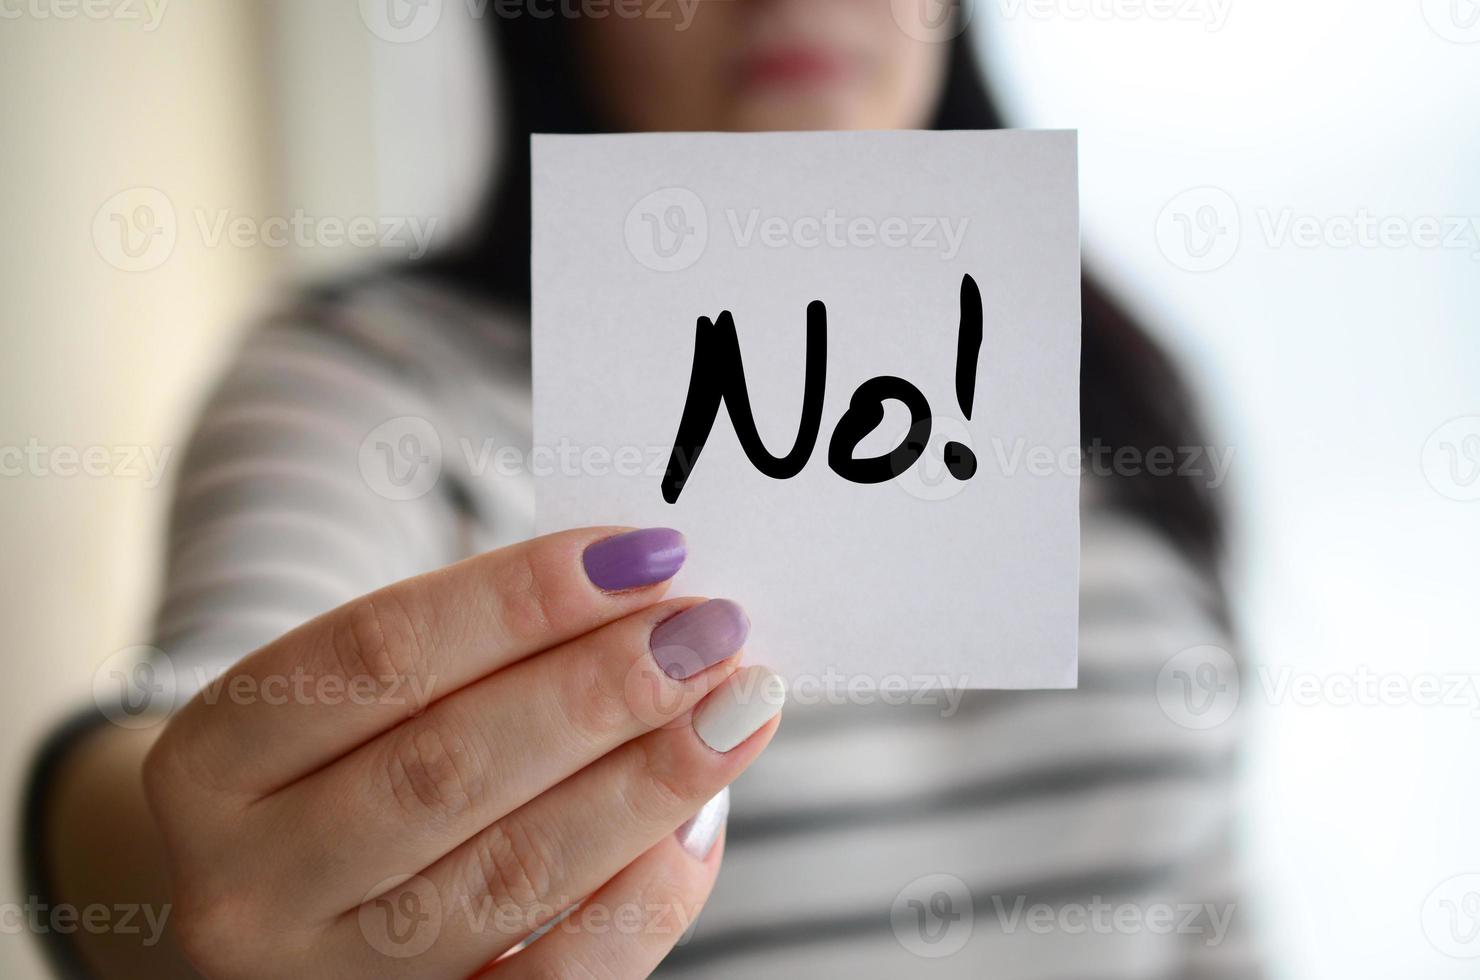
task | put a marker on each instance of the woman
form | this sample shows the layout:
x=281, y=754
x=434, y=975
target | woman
x=496, y=769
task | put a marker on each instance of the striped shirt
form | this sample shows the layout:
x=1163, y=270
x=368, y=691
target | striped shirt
x=1068, y=834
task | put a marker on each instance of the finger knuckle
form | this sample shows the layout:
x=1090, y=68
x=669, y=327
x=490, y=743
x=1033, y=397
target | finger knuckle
x=174, y=778
x=569, y=968
x=597, y=707
x=533, y=599
x=666, y=784
x=515, y=865
x=380, y=644
x=578, y=967
x=160, y=772
x=214, y=933
x=436, y=771
x=667, y=903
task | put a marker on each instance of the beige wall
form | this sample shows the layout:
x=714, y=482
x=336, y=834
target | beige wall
x=97, y=356
x=200, y=108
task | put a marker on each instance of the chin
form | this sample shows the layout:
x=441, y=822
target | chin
x=784, y=111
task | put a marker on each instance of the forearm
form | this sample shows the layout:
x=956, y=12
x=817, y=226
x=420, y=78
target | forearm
x=103, y=860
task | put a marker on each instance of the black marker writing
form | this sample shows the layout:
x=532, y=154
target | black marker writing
x=960, y=460
x=718, y=377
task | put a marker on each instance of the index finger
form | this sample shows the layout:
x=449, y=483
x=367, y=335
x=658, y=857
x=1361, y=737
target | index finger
x=337, y=681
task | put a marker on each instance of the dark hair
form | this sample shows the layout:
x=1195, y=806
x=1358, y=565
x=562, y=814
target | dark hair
x=1131, y=396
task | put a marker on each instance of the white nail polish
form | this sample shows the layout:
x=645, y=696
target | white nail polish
x=700, y=831
x=734, y=712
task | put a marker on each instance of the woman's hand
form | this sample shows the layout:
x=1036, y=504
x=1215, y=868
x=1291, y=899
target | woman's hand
x=412, y=784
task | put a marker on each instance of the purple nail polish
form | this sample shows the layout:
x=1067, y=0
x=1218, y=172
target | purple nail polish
x=700, y=832
x=634, y=559
x=699, y=637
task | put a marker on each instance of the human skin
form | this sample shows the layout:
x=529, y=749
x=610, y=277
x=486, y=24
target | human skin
x=515, y=734
x=765, y=65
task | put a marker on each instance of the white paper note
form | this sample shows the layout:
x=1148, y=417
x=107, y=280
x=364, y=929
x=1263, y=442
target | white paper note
x=931, y=578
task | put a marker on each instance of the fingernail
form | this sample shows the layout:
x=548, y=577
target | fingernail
x=699, y=637
x=634, y=559
x=737, y=709
x=700, y=832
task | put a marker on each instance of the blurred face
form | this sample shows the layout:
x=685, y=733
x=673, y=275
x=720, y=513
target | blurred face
x=761, y=65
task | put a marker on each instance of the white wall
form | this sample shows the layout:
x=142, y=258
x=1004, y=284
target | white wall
x=366, y=126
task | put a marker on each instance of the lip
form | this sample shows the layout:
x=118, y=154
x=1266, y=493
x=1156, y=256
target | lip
x=791, y=65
